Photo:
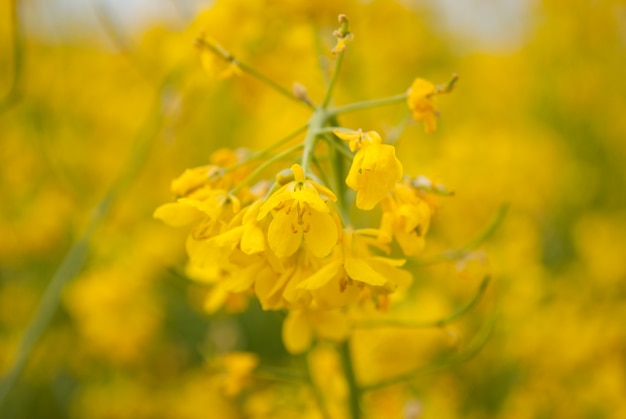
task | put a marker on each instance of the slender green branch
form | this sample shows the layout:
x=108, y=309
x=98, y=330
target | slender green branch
x=267, y=151
x=339, y=148
x=367, y=104
x=263, y=78
x=461, y=252
x=76, y=257
x=12, y=94
x=264, y=166
x=321, y=172
x=218, y=50
x=479, y=342
x=279, y=374
x=316, y=123
x=448, y=86
x=394, y=134
x=434, y=323
x=354, y=400
x=333, y=80
x=317, y=392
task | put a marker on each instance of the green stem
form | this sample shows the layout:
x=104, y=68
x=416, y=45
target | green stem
x=316, y=123
x=354, y=397
x=368, y=104
x=262, y=167
x=478, y=343
x=267, y=151
x=317, y=393
x=227, y=56
x=333, y=81
x=340, y=149
x=12, y=95
x=76, y=257
x=480, y=239
x=435, y=323
x=271, y=83
x=279, y=374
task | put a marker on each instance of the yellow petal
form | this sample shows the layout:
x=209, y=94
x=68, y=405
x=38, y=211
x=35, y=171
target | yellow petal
x=322, y=276
x=177, y=214
x=360, y=270
x=298, y=173
x=311, y=197
x=332, y=325
x=321, y=235
x=284, y=233
x=252, y=239
x=297, y=333
x=388, y=269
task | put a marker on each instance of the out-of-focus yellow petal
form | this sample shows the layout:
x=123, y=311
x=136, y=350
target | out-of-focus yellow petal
x=252, y=239
x=420, y=101
x=322, y=276
x=322, y=234
x=284, y=234
x=297, y=333
x=177, y=214
x=360, y=270
x=332, y=325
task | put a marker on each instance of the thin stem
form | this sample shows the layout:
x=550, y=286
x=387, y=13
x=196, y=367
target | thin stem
x=227, y=56
x=12, y=95
x=480, y=239
x=321, y=172
x=267, y=151
x=479, y=342
x=262, y=167
x=271, y=83
x=317, y=392
x=435, y=323
x=317, y=121
x=354, y=402
x=75, y=259
x=338, y=147
x=368, y=104
x=279, y=374
x=333, y=81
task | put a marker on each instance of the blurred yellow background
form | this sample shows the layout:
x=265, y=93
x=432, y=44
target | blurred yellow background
x=96, y=99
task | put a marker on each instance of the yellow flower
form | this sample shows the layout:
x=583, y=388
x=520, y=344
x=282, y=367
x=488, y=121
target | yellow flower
x=201, y=191
x=375, y=168
x=238, y=368
x=301, y=326
x=362, y=265
x=421, y=103
x=357, y=262
x=407, y=217
x=300, y=210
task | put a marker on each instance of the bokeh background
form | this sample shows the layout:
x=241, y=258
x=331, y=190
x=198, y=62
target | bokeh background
x=100, y=96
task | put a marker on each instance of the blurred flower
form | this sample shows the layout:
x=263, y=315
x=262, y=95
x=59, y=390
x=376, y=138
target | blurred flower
x=375, y=168
x=422, y=105
x=300, y=210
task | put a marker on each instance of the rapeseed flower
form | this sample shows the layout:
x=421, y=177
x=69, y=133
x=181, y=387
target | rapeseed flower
x=300, y=211
x=375, y=168
x=420, y=101
x=406, y=217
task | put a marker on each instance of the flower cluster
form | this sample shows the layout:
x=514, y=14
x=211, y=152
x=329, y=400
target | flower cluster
x=296, y=243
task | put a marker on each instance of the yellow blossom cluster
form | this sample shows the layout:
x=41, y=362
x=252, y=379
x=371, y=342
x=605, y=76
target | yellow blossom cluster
x=292, y=243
